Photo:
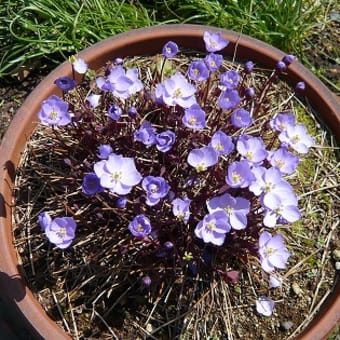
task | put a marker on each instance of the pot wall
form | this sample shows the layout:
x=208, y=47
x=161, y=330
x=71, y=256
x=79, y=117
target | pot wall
x=136, y=42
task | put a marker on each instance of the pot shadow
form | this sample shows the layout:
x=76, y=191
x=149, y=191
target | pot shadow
x=13, y=324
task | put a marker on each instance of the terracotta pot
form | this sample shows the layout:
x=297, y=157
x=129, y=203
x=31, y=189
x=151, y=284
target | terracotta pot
x=26, y=310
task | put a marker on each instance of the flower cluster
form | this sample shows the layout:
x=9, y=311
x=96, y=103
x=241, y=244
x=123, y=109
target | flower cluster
x=191, y=162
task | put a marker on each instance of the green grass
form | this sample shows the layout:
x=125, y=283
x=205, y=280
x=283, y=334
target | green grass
x=55, y=29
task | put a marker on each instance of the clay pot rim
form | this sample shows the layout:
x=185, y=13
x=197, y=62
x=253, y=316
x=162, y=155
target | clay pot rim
x=189, y=36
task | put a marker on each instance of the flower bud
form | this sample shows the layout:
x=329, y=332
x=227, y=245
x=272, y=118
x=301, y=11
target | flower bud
x=288, y=59
x=280, y=66
x=249, y=66
x=249, y=93
x=300, y=87
x=121, y=202
x=132, y=112
x=146, y=281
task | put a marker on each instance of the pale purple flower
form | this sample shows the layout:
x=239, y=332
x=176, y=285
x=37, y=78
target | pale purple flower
x=170, y=49
x=213, y=228
x=264, y=306
x=284, y=160
x=297, y=137
x=198, y=71
x=140, y=226
x=194, y=117
x=146, y=134
x=117, y=173
x=275, y=281
x=202, y=158
x=54, y=111
x=176, y=90
x=281, y=121
x=65, y=83
x=121, y=83
x=79, y=65
x=239, y=175
x=181, y=208
x=115, y=112
x=104, y=151
x=251, y=148
x=59, y=231
x=228, y=99
x=44, y=220
x=236, y=209
x=230, y=79
x=214, y=41
x=280, y=206
x=156, y=188
x=165, y=140
x=241, y=118
x=91, y=184
x=93, y=100
x=222, y=143
x=273, y=252
x=269, y=181
x=213, y=61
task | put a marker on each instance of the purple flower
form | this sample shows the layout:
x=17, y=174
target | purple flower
x=180, y=209
x=202, y=158
x=121, y=83
x=252, y=148
x=104, y=151
x=115, y=112
x=228, y=99
x=93, y=100
x=79, y=65
x=281, y=121
x=198, y=71
x=176, y=90
x=249, y=67
x=222, y=143
x=140, y=226
x=269, y=181
x=91, y=184
x=297, y=137
x=117, y=173
x=230, y=79
x=156, y=188
x=264, y=306
x=214, y=41
x=236, y=209
x=273, y=253
x=284, y=160
x=240, y=118
x=165, y=140
x=213, y=228
x=194, y=117
x=146, y=134
x=239, y=175
x=132, y=112
x=213, y=61
x=281, y=206
x=54, y=111
x=59, y=231
x=146, y=280
x=65, y=83
x=170, y=49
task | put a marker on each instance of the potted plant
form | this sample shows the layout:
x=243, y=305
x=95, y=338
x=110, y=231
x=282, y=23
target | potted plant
x=110, y=172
